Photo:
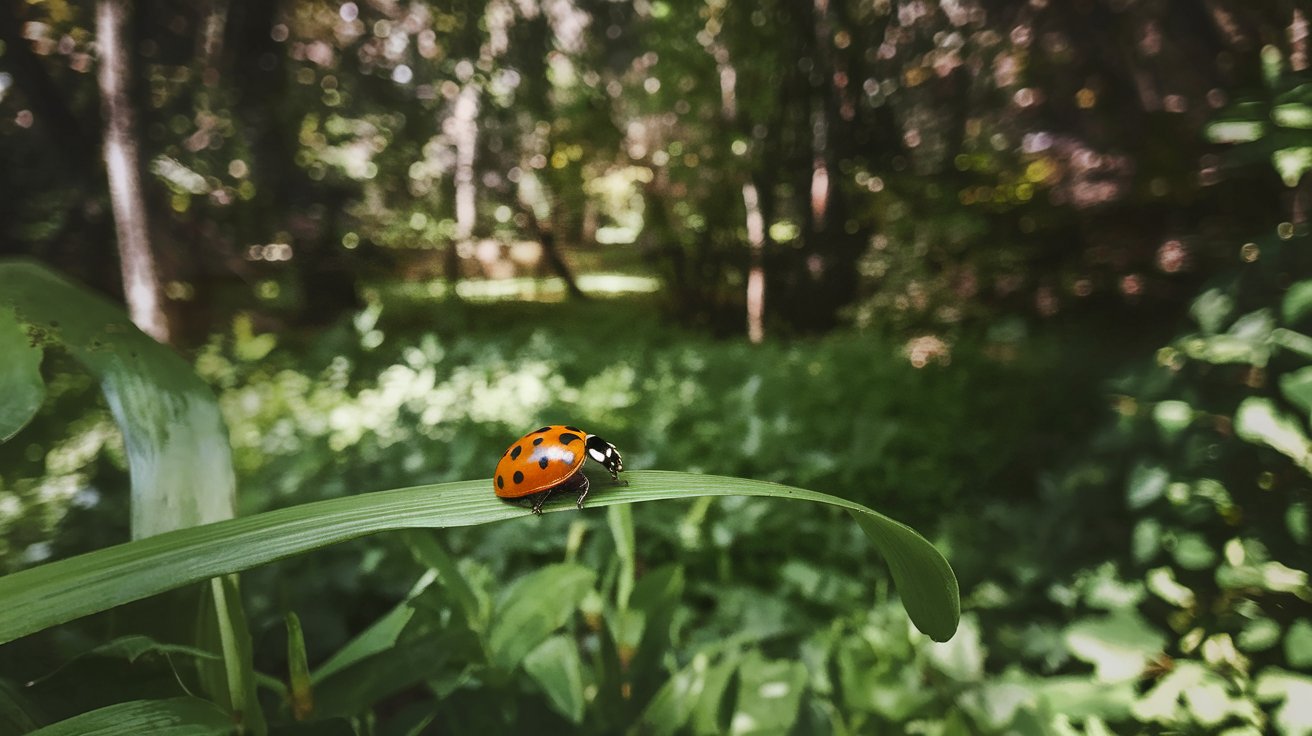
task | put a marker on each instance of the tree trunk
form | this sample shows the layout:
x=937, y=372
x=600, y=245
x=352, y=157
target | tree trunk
x=755, y=222
x=464, y=129
x=552, y=255
x=141, y=285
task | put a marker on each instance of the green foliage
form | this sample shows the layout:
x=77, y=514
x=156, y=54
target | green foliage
x=60, y=591
x=472, y=635
x=1277, y=126
x=1094, y=609
x=174, y=437
x=173, y=717
x=21, y=379
x=967, y=181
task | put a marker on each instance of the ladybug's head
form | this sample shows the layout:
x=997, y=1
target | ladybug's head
x=605, y=453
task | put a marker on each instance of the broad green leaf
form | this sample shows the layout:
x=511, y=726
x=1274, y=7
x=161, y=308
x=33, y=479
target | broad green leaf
x=1172, y=417
x=421, y=655
x=1211, y=310
x=534, y=607
x=428, y=550
x=1192, y=693
x=379, y=637
x=1228, y=349
x=994, y=705
x=673, y=703
x=1104, y=589
x=655, y=598
x=1118, y=646
x=1297, y=388
x=1258, y=635
x=177, y=444
x=1081, y=697
x=899, y=697
x=710, y=703
x=1294, y=692
x=1259, y=421
x=769, y=694
x=1294, y=342
x=173, y=717
x=923, y=577
x=1291, y=163
x=179, y=459
x=1298, y=644
x=21, y=387
x=1273, y=65
x=1147, y=539
x=1297, y=303
x=1293, y=115
x=1161, y=581
x=961, y=659
x=1247, y=341
x=60, y=591
x=1147, y=484
x=556, y=667
x=1296, y=521
x=1192, y=552
x=1235, y=131
x=620, y=521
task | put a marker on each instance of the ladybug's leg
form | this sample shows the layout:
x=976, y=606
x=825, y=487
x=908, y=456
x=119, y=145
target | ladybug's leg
x=542, y=498
x=583, y=485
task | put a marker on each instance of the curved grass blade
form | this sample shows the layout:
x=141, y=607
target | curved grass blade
x=172, y=429
x=20, y=376
x=177, y=444
x=172, y=717
x=61, y=591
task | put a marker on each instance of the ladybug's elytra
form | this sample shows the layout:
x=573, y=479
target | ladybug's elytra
x=550, y=460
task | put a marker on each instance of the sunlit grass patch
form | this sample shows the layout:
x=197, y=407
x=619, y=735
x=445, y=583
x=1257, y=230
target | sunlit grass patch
x=526, y=288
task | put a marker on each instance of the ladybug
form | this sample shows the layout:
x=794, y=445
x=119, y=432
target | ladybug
x=550, y=460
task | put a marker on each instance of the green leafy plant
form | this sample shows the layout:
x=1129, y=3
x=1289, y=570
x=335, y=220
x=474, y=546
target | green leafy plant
x=1275, y=126
x=519, y=633
x=176, y=441
x=66, y=589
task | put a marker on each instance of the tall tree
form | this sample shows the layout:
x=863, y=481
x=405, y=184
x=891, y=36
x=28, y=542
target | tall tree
x=141, y=284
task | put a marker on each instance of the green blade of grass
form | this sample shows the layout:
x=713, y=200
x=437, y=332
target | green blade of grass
x=174, y=435
x=20, y=376
x=61, y=591
x=173, y=717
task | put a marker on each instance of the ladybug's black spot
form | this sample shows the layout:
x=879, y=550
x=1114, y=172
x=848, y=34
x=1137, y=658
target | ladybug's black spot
x=540, y=431
x=573, y=429
x=543, y=463
x=566, y=438
x=514, y=454
x=518, y=477
x=537, y=442
x=501, y=482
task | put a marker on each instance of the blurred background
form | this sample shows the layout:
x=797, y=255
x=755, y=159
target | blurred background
x=1028, y=276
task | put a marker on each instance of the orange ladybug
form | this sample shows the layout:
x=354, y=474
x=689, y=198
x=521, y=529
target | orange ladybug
x=550, y=460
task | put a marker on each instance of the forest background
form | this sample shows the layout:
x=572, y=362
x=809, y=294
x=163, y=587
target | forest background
x=1032, y=277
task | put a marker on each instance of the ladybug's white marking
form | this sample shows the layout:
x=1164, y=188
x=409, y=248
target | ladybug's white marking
x=596, y=455
x=553, y=453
